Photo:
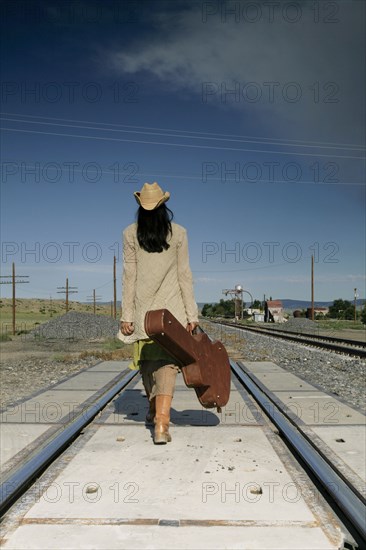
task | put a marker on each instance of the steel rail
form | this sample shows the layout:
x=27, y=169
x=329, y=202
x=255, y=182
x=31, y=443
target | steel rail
x=16, y=483
x=271, y=329
x=348, y=341
x=341, y=492
x=322, y=342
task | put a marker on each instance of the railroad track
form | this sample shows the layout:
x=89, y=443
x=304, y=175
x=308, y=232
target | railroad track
x=345, y=495
x=333, y=478
x=17, y=479
x=347, y=346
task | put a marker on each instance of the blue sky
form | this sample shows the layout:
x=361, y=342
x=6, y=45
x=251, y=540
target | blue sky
x=252, y=119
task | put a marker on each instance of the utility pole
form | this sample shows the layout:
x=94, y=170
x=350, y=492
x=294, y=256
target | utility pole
x=355, y=304
x=114, y=289
x=68, y=290
x=13, y=282
x=312, y=287
x=94, y=298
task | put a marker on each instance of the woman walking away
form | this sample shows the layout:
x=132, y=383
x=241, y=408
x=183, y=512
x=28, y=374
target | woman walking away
x=156, y=275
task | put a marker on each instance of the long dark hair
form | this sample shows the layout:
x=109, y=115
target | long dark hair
x=153, y=227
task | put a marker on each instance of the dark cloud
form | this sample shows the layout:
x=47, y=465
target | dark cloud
x=309, y=75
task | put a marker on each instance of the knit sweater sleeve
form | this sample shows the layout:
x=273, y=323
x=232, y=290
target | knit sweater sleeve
x=185, y=279
x=128, y=278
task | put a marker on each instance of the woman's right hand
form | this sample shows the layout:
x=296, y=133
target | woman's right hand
x=127, y=328
x=191, y=326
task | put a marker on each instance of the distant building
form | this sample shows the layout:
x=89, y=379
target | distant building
x=317, y=311
x=252, y=310
x=258, y=317
x=273, y=312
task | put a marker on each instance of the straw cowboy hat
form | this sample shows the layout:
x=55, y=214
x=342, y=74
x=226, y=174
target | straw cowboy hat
x=151, y=196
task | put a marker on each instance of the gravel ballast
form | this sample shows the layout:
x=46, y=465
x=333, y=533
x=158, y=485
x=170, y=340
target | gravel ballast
x=50, y=353
x=20, y=378
x=337, y=374
x=77, y=325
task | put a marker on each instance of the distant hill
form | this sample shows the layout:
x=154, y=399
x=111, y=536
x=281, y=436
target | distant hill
x=303, y=304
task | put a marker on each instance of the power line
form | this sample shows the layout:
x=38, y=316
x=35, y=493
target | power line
x=184, y=144
x=354, y=145
x=43, y=291
x=212, y=178
x=163, y=133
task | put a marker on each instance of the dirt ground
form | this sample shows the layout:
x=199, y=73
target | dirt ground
x=19, y=348
x=27, y=366
x=347, y=334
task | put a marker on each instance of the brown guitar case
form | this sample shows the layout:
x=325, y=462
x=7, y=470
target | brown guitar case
x=205, y=364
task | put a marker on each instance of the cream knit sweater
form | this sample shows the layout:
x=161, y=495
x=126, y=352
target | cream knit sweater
x=156, y=280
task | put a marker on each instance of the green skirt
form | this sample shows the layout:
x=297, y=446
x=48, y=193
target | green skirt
x=148, y=350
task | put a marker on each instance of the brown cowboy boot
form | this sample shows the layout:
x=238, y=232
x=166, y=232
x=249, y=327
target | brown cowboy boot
x=150, y=415
x=162, y=418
